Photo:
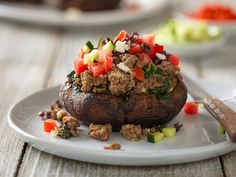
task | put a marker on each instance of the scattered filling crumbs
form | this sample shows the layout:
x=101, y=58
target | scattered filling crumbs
x=131, y=132
x=59, y=123
x=113, y=147
x=100, y=132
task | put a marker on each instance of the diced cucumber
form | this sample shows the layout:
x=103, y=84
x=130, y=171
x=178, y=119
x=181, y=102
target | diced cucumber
x=221, y=130
x=88, y=47
x=155, y=137
x=100, y=43
x=169, y=132
x=90, y=57
x=110, y=46
x=94, y=54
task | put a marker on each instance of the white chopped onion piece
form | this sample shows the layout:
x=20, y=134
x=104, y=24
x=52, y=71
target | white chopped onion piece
x=161, y=56
x=120, y=46
x=123, y=67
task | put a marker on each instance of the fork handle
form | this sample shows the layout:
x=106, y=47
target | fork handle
x=224, y=114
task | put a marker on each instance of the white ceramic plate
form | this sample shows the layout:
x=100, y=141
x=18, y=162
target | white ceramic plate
x=50, y=16
x=197, y=140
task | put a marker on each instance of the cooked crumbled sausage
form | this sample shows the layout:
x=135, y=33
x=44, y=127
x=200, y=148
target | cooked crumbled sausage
x=100, y=132
x=55, y=105
x=150, y=83
x=129, y=60
x=120, y=82
x=169, y=68
x=140, y=88
x=72, y=123
x=78, y=82
x=94, y=84
x=131, y=132
x=87, y=81
x=100, y=80
x=153, y=82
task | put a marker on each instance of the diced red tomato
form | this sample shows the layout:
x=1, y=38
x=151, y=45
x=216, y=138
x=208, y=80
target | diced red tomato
x=144, y=58
x=108, y=63
x=191, y=108
x=97, y=69
x=79, y=66
x=151, y=52
x=174, y=60
x=49, y=124
x=102, y=55
x=149, y=39
x=138, y=73
x=81, y=53
x=105, y=59
x=158, y=48
x=135, y=49
x=121, y=36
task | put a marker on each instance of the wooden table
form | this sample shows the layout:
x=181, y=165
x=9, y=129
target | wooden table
x=32, y=58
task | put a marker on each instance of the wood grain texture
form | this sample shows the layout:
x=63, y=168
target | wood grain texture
x=229, y=164
x=24, y=57
x=37, y=163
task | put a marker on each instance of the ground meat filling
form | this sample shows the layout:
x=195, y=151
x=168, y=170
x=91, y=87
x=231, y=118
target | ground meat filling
x=129, y=60
x=93, y=84
x=119, y=81
x=87, y=81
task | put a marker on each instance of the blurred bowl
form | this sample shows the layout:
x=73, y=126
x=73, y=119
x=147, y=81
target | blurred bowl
x=190, y=50
x=229, y=27
x=91, y=5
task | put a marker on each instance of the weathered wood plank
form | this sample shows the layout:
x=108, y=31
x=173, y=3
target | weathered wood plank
x=229, y=164
x=36, y=163
x=24, y=56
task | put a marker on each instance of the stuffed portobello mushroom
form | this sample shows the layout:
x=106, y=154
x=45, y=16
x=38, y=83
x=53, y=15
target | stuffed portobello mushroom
x=126, y=80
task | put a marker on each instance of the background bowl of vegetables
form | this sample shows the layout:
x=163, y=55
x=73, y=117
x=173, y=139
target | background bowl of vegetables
x=215, y=14
x=188, y=38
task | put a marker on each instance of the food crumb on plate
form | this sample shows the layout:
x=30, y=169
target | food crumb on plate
x=114, y=146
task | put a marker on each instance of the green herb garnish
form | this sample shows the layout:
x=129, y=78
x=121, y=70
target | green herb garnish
x=163, y=92
x=71, y=75
x=151, y=69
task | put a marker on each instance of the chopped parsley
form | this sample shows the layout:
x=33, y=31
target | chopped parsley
x=163, y=92
x=71, y=75
x=151, y=69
